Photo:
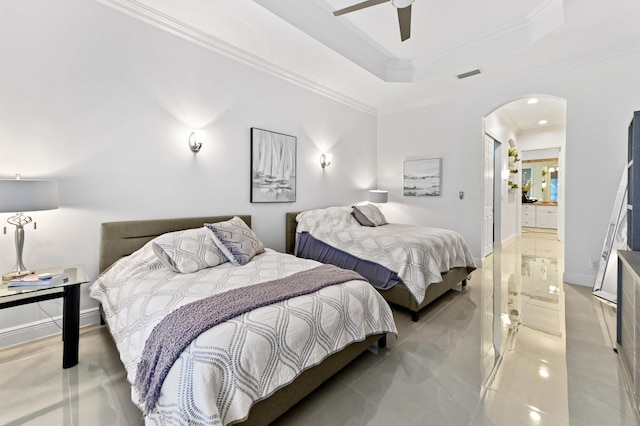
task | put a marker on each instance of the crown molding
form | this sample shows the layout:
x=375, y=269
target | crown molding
x=314, y=17
x=149, y=15
x=160, y=20
x=490, y=83
x=507, y=120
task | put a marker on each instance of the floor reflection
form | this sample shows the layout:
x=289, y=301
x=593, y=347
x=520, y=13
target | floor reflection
x=515, y=347
x=529, y=333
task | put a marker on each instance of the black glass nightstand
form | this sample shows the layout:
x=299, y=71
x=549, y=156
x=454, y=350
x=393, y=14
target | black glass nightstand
x=69, y=291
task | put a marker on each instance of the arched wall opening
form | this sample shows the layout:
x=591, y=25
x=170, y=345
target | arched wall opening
x=532, y=130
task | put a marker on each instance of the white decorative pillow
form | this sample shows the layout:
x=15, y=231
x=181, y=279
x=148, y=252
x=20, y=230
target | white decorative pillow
x=188, y=251
x=329, y=219
x=236, y=240
x=369, y=214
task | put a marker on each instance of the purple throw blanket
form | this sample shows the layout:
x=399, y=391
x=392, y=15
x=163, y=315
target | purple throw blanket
x=178, y=329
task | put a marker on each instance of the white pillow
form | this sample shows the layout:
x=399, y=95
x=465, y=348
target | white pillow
x=327, y=220
x=188, y=251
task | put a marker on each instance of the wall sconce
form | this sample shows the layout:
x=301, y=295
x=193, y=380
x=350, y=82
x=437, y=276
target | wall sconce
x=325, y=160
x=196, y=138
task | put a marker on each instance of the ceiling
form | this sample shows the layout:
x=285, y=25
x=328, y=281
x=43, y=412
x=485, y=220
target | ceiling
x=526, y=115
x=445, y=34
x=358, y=58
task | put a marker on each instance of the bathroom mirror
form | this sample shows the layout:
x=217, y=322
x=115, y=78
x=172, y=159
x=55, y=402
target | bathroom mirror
x=540, y=179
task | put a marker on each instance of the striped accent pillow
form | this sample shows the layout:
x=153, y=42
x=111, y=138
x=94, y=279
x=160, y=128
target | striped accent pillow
x=370, y=214
x=236, y=240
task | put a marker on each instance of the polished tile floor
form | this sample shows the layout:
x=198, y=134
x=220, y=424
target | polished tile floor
x=516, y=347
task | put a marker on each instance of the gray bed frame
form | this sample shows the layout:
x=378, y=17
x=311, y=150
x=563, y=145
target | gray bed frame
x=120, y=239
x=399, y=294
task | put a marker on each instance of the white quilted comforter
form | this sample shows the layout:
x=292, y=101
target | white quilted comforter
x=419, y=255
x=224, y=371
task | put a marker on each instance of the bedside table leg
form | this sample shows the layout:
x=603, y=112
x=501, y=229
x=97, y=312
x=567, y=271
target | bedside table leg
x=71, y=325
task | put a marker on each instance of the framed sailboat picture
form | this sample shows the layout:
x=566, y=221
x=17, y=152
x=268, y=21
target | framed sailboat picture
x=273, y=167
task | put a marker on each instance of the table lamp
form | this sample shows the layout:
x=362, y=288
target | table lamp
x=378, y=196
x=25, y=195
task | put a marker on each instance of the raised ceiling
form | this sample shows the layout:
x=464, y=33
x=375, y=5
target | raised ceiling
x=358, y=58
x=444, y=34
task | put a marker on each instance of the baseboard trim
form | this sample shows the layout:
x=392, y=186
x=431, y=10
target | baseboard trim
x=579, y=279
x=508, y=240
x=42, y=328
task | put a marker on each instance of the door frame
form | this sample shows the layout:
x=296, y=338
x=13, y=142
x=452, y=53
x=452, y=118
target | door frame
x=488, y=180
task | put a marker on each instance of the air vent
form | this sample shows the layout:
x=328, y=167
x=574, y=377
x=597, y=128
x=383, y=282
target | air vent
x=468, y=74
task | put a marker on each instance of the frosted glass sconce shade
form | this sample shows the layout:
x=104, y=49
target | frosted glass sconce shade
x=196, y=138
x=325, y=160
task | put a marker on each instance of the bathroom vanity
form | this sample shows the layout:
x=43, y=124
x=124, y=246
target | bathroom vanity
x=540, y=215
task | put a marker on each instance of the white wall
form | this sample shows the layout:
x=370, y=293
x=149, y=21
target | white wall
x=600, y=100
x=540, y=140
x=104, y=104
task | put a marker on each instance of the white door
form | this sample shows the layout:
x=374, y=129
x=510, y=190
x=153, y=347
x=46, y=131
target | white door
x=487, y=233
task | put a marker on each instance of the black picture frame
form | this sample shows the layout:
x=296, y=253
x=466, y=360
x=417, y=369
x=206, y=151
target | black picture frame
x=273, y=167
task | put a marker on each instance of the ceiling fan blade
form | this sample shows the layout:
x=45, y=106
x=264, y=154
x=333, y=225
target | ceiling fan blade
x=404, y=19
x=359, y=6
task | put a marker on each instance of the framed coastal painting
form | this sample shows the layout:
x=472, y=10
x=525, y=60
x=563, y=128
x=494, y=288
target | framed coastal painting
x=423, y=177
x=273, y=167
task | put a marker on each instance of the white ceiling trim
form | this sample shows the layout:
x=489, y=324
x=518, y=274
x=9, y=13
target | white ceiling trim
x=544, y=129
x=507, y=120
x=602, y=55
x=517, y=34
x=314, y=18
x=160, y=20
x=545, y=18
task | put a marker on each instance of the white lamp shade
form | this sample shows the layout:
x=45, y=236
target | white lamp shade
x=378, y=196
x=26, y=195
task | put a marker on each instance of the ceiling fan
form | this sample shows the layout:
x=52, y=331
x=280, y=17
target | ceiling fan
x=404, y=13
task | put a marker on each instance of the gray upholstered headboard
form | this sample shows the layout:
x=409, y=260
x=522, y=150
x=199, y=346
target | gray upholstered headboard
x=120, y=239
x=290, y=235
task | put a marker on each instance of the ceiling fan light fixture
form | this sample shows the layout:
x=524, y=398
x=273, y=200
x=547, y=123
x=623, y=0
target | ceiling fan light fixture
x=403, y=9
x=401, y=4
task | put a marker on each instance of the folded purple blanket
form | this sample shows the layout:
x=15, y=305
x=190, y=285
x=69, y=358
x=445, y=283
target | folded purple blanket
x=178, y=329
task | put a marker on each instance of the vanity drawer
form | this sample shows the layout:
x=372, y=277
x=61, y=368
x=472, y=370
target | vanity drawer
x=528, y=215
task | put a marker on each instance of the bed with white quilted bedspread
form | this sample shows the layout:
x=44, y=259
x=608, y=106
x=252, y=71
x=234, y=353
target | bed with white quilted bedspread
x=418, y=254
x=228, y=368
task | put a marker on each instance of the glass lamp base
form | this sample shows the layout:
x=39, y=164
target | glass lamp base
x=15, y=274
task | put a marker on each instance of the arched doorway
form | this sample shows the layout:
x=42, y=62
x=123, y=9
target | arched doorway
x=531, y=128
